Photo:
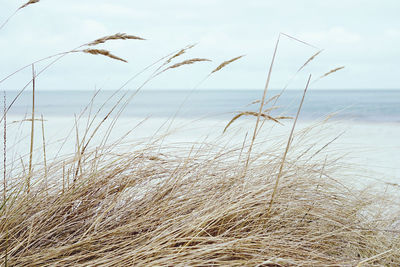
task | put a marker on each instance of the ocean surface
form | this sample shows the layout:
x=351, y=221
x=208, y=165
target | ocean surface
x=355, y=105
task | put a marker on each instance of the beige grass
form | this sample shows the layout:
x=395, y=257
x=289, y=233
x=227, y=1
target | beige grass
x=102, y=52
x=194, y=208
x=30, y=2
x=117, y=36
x=226, y=63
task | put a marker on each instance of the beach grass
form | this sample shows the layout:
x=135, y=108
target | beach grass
x=203, y=204
x=194, y=208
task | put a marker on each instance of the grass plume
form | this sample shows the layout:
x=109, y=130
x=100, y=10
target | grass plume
x=117, y=36
x=225, y=63
x=255, y=114
x=102, y=52
x=183, y=63
x=262, y=102
x=179, y=53
x=309, y=60
x=331, y=71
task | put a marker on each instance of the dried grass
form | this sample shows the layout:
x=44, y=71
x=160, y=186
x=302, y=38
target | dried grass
x=117, y=36
x=331, y=71
x=289, y=142
x=186, y=62
x=4, y=148
x=148, y=208
x=179, y=53
x=30, y=2
x=101, y=52
x=256, y=114
x=225, y=63
x=309, y=60
x=183, y=63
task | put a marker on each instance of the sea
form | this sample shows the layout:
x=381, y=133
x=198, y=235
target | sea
x=357, y=105
x=361, y=125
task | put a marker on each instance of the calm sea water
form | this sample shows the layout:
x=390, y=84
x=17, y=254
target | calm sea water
x=358, y=105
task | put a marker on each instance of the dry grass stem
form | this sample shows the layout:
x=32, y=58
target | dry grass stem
x=274, y=192
x=5, y=148
x=44, y=151
x=32, y=130
x=298, y=40
x=261, y=106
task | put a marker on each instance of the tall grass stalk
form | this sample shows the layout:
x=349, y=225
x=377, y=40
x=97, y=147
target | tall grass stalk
x=261, y=107
x=28, y=183
x=278, y=178
x=44, y=151
x=4, y=148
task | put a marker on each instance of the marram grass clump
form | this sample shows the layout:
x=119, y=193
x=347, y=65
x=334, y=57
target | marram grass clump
x=193, y=208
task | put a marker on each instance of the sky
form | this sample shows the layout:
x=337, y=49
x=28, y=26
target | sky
x=362, y=35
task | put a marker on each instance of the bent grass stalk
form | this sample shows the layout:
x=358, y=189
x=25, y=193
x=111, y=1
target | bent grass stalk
x=5, y=148
x=287, y=149
x=261, y=107
x=30, y=2
x=44, y=152
x=32, y=130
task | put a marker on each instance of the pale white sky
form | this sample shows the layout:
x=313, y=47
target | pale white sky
x=363, y=35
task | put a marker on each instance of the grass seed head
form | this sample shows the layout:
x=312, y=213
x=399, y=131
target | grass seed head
x=331, y=71
x=102, y=52
x=309, y=60
x=225, y=63
x=30, y=2
x=179, y=53
x=255, y=114
x=117, y=36
x=183, y=63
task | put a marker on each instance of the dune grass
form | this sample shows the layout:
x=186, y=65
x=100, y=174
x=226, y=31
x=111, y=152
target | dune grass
x=149, y=208
x=203, y=205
